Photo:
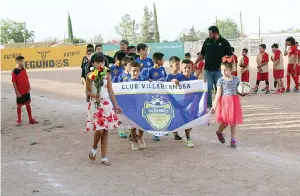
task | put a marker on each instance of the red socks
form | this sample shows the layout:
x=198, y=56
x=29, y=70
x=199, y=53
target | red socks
x=296, y=79
x=288, y=81
x=28, y=108
x=19, y=110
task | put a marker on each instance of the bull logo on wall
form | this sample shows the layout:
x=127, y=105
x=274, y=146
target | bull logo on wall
x=43, y=54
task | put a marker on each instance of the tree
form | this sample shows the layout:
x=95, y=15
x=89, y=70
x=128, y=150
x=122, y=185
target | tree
x=77, y=40
x=192, y=35
x=228, y=28
x=70, y=29
x=51, y=39
x=98, y=39
x=13, y=30
x=147, y=28
x=127, y=29
x=156, y=30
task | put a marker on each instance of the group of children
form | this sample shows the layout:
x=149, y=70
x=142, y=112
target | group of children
x=293, y=67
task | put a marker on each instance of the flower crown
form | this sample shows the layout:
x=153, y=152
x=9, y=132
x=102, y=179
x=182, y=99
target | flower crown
x=227, y=59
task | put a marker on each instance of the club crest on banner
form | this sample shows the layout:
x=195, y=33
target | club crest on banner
x=158, y=113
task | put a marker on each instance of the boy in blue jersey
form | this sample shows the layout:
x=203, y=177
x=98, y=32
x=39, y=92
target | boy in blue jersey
x=157, y=72
x=175, y=65
x=137, y=141
x=117, y=69
x=145, y=62
x=127, y=64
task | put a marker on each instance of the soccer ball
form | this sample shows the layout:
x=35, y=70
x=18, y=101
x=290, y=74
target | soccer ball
x=244, y=89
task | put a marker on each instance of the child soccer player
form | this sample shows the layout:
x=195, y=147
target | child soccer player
x=262, y=69
x=157, y=73
x=99, y=48
x=137, y=141
x=235, y=62
x=132, y=49
x=227, y=104
x=22, y=89
x=244, y=64
x=145, y=62
x=117, y=69
x=199, y=68
x=278, y=69
x=188, y=56
x=297, y=44
x=292, y=64
x=186, y=66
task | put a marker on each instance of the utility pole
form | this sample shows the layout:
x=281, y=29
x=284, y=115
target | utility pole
x=216, y=21
x=258, y=27
x=241, y=24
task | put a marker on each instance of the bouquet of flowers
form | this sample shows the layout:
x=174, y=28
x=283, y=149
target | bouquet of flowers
x=97, y=77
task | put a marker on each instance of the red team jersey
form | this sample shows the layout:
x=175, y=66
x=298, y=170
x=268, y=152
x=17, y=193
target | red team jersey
x=263, y=74
x=20, y=77
x=245, y=70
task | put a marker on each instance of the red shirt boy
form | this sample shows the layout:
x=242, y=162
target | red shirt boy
x=21, y=85
x=244, y=64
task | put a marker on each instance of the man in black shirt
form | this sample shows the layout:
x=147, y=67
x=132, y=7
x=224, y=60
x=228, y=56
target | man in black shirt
x=123, y=48
x=213, y=49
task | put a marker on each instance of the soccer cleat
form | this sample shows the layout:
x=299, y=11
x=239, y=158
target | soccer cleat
x=255, y=91
x=19, y=123
x=220, y=137
x=177, y=138
x=296, y=90
x=189, y=144
x=264, y=89
x=287, y=90
x=33, y=121
x=134, y=146
x=282, y=90
x=233, y=144
x=92, y=154
x=142, y=144
x=122, y=134
x=267, y=92
x=156, y=138
x=277, y=92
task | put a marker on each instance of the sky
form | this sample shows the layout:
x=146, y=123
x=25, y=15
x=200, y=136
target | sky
x=93, y=17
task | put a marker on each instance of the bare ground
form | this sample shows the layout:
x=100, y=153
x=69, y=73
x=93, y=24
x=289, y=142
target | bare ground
x=51, y=158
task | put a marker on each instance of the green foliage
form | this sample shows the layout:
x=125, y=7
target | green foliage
x=156, y=30
x=127, y=29
x=193, y=35
x=14, y=30
x=70, y=29
x=147, y=28
x=228, y=28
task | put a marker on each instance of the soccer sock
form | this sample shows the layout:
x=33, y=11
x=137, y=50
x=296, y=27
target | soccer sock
x=28, y=108
x=188, y=138
x=19, y=110
x=257, y=84
x=288, y=81
x=296, y=79
x=267, y=84
x=275, y=84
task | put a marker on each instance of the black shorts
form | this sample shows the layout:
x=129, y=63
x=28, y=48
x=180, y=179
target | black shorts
x=25, y=99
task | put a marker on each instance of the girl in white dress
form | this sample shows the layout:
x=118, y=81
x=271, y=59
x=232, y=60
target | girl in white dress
x=103, y=106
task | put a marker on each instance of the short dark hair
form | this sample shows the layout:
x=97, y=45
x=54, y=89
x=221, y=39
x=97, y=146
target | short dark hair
x=232, y=49
x=187, y=54
x=245, y=50
x=99, y=58
x=263, y=46
x=126, y=60
x=98, y=45
x=131, y=47
x=133, y=55
x=90, y=46
x=174, y=59
x=19, y=58
x=291, y=39
x=135, y=64
x=274, y=46
x=141, y=46
x=89, y=50
x=186, y=61
x=158, y=56
x=214, y=29
x=120, y=55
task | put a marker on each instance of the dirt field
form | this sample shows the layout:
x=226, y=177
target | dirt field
x=51, y=158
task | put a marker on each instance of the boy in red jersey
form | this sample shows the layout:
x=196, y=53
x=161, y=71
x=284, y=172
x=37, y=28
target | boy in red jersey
x=22, y=89
x=262, y=68
x=244, y=64
x=297, y=44
x=235, y=62
x=292, y=64
x=278, y=69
